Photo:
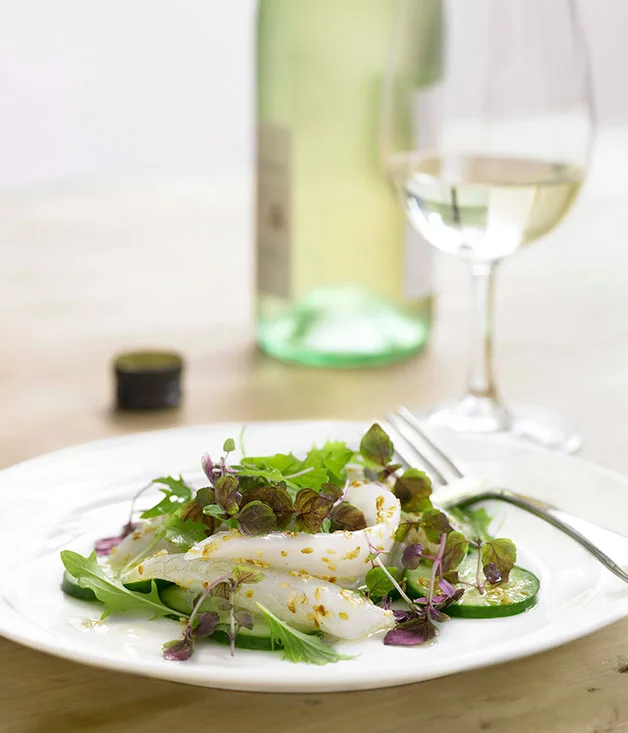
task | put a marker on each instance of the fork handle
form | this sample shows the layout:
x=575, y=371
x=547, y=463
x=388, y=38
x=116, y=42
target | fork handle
x=555, y=517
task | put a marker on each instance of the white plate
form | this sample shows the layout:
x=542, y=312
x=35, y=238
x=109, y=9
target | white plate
x=69, y=498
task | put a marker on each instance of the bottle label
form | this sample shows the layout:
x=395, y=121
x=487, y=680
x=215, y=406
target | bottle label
x=274, y=225
x=419, y=266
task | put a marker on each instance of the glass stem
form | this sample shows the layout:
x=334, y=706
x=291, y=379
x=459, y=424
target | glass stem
x=481, y=380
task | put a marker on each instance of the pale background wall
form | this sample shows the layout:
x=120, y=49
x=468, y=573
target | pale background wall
x=158, y=89
x=150, y=88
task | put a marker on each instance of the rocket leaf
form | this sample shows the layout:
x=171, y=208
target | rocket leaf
x=115, y=597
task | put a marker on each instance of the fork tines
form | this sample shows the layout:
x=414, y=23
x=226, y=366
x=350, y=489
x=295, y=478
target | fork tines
x=417, y=449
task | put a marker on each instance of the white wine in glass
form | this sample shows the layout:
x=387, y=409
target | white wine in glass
x=513, y=126
x=481, y=207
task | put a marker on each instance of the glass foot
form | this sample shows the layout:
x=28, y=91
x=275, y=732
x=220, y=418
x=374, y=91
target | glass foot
x=480, y=416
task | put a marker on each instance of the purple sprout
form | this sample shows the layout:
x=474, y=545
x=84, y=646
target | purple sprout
x=208, y=467
x=105, y=545
x=417, y=625
x=412, y=556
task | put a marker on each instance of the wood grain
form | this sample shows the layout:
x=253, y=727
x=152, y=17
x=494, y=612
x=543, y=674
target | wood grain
x=88, y=274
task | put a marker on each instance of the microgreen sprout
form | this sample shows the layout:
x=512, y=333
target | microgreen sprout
x=495, y=560
x=198, y=625
x=418, y=625
x=204, y=623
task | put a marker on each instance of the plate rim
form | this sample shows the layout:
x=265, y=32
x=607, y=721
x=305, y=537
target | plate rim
x=112, y=440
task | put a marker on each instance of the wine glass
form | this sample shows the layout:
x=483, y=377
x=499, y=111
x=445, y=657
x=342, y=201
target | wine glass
x=488, y=153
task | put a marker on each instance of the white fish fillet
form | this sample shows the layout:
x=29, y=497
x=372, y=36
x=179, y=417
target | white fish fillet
x=304, y=601
x=142, y=540
x=340, y=557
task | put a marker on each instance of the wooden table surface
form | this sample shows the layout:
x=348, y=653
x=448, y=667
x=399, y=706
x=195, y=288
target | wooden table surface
x=87, y=273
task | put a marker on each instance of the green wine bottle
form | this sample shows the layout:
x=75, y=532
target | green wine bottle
x=343, y=280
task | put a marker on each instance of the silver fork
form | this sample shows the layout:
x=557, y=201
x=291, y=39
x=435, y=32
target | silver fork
x=405, y=431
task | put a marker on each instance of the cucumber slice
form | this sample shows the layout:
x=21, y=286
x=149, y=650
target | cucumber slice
x=256, y=638
x=71, y=588
x=507, y=599
x=182, y=600
x=142, y=586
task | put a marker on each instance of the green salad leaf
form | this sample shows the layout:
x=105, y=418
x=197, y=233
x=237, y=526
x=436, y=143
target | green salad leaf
x=214, y=510
x=184, y=533
x=226, y=491
x=312, y=509
x=376, y=446
x=324, y=465
x=347, y=517
x=277, y=497
x=413, y=489
x=282, y=469
x=297, y=646
x=175, y=494
x=115, y=597
x=478, y=521
x=379, y=583
x=257, y=518
x=501, y=555
x=456, y=548
x=434, y=523
x=333, y=457
x=176, y=485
